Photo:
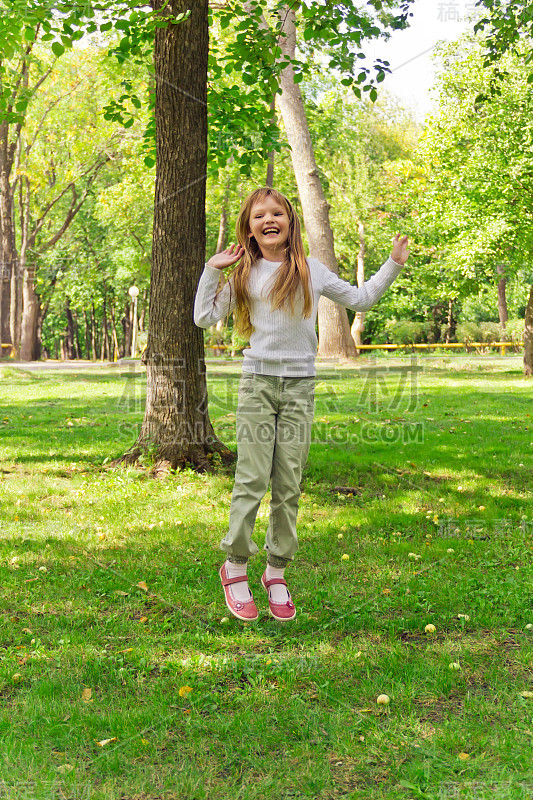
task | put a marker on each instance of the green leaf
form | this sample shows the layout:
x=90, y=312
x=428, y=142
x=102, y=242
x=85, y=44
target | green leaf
x=149, y=161
x=58, y=49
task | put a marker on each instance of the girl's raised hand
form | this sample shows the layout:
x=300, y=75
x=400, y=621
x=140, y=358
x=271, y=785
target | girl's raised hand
x=400, y=253
x=227, y=257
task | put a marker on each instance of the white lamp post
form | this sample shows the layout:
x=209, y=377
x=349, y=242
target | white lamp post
x=134, y=294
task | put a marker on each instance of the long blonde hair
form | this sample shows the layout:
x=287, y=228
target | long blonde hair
x=292, y=278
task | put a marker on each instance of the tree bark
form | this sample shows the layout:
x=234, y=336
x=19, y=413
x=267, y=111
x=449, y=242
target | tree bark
x=358, y=324
x=223, y=227
x=15, y=310
x=77, y=334
x=502, y=299
x=335, y=340
x=29, y=340
x=93, y=334
x=218, y=329
x=450, y=330
x=70, y=345
x=528, y=337
x=272, y=154
x=176, y=424
x=7, y=233
x=127, y=329
x=142, y=311
x=87, y=333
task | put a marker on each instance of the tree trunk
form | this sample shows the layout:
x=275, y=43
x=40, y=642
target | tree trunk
x=29, y=342
x=15, y=311
x=7, y=236
x=218, y=329
x=142, y=311
x=223, y=227
x=105, y=336
x=70, y=346
x=450, y=330
x=114, y=333
x=528, y=337
x=39, y=334
x=335, y=340
x=176, y=423
x=358, y=324
x=77, y=335
x=127, y=330
x=272, y=154
x=437, y=320
x=87, y=333
x=93, y=334
x=502, y=299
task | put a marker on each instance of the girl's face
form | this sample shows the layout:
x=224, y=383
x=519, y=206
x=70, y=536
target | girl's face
x=269, y=224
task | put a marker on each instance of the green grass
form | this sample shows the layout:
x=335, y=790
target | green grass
x=438, y=458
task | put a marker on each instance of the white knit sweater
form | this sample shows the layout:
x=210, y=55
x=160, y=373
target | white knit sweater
x=284, y=344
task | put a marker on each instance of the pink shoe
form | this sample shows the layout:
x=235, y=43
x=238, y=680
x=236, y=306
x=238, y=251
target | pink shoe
x=246, y=611
x=280, y=611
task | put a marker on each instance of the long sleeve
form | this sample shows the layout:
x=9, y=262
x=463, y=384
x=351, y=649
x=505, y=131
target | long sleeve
x=364, y=297
x=209, y=308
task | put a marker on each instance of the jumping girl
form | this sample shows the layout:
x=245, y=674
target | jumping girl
x=274, y=291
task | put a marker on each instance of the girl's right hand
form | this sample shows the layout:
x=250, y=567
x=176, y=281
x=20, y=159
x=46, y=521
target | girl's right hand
x=227, y=257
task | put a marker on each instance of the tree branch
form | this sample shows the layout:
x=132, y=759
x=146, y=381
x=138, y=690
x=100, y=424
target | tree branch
x=73, y=210
x=95, y=168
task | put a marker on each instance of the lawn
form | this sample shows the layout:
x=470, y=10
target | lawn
x=121, y=675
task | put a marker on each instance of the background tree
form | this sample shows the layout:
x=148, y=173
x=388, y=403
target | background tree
x=477, y=194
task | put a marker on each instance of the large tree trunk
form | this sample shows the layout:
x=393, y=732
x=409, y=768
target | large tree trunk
x=29, y=342
x=176, y=423
x=335, y=340
x=528, y=337
x=358, y=324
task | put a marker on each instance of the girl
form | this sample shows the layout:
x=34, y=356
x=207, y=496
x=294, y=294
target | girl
x=274, y=290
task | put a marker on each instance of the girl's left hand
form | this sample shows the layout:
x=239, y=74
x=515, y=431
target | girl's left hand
x=400, y=253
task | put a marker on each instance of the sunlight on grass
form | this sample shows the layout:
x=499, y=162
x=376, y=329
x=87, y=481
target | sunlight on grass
x=109, y=583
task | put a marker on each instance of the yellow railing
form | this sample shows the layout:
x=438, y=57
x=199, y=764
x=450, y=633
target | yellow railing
x=462, y=345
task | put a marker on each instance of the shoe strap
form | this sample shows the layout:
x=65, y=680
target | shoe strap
x=274, y=581
x=238, y=579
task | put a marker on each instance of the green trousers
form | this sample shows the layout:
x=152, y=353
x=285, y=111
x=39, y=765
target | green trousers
x=274, y=422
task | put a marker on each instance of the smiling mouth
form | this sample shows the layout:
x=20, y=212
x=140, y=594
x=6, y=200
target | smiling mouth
x=269, y=231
